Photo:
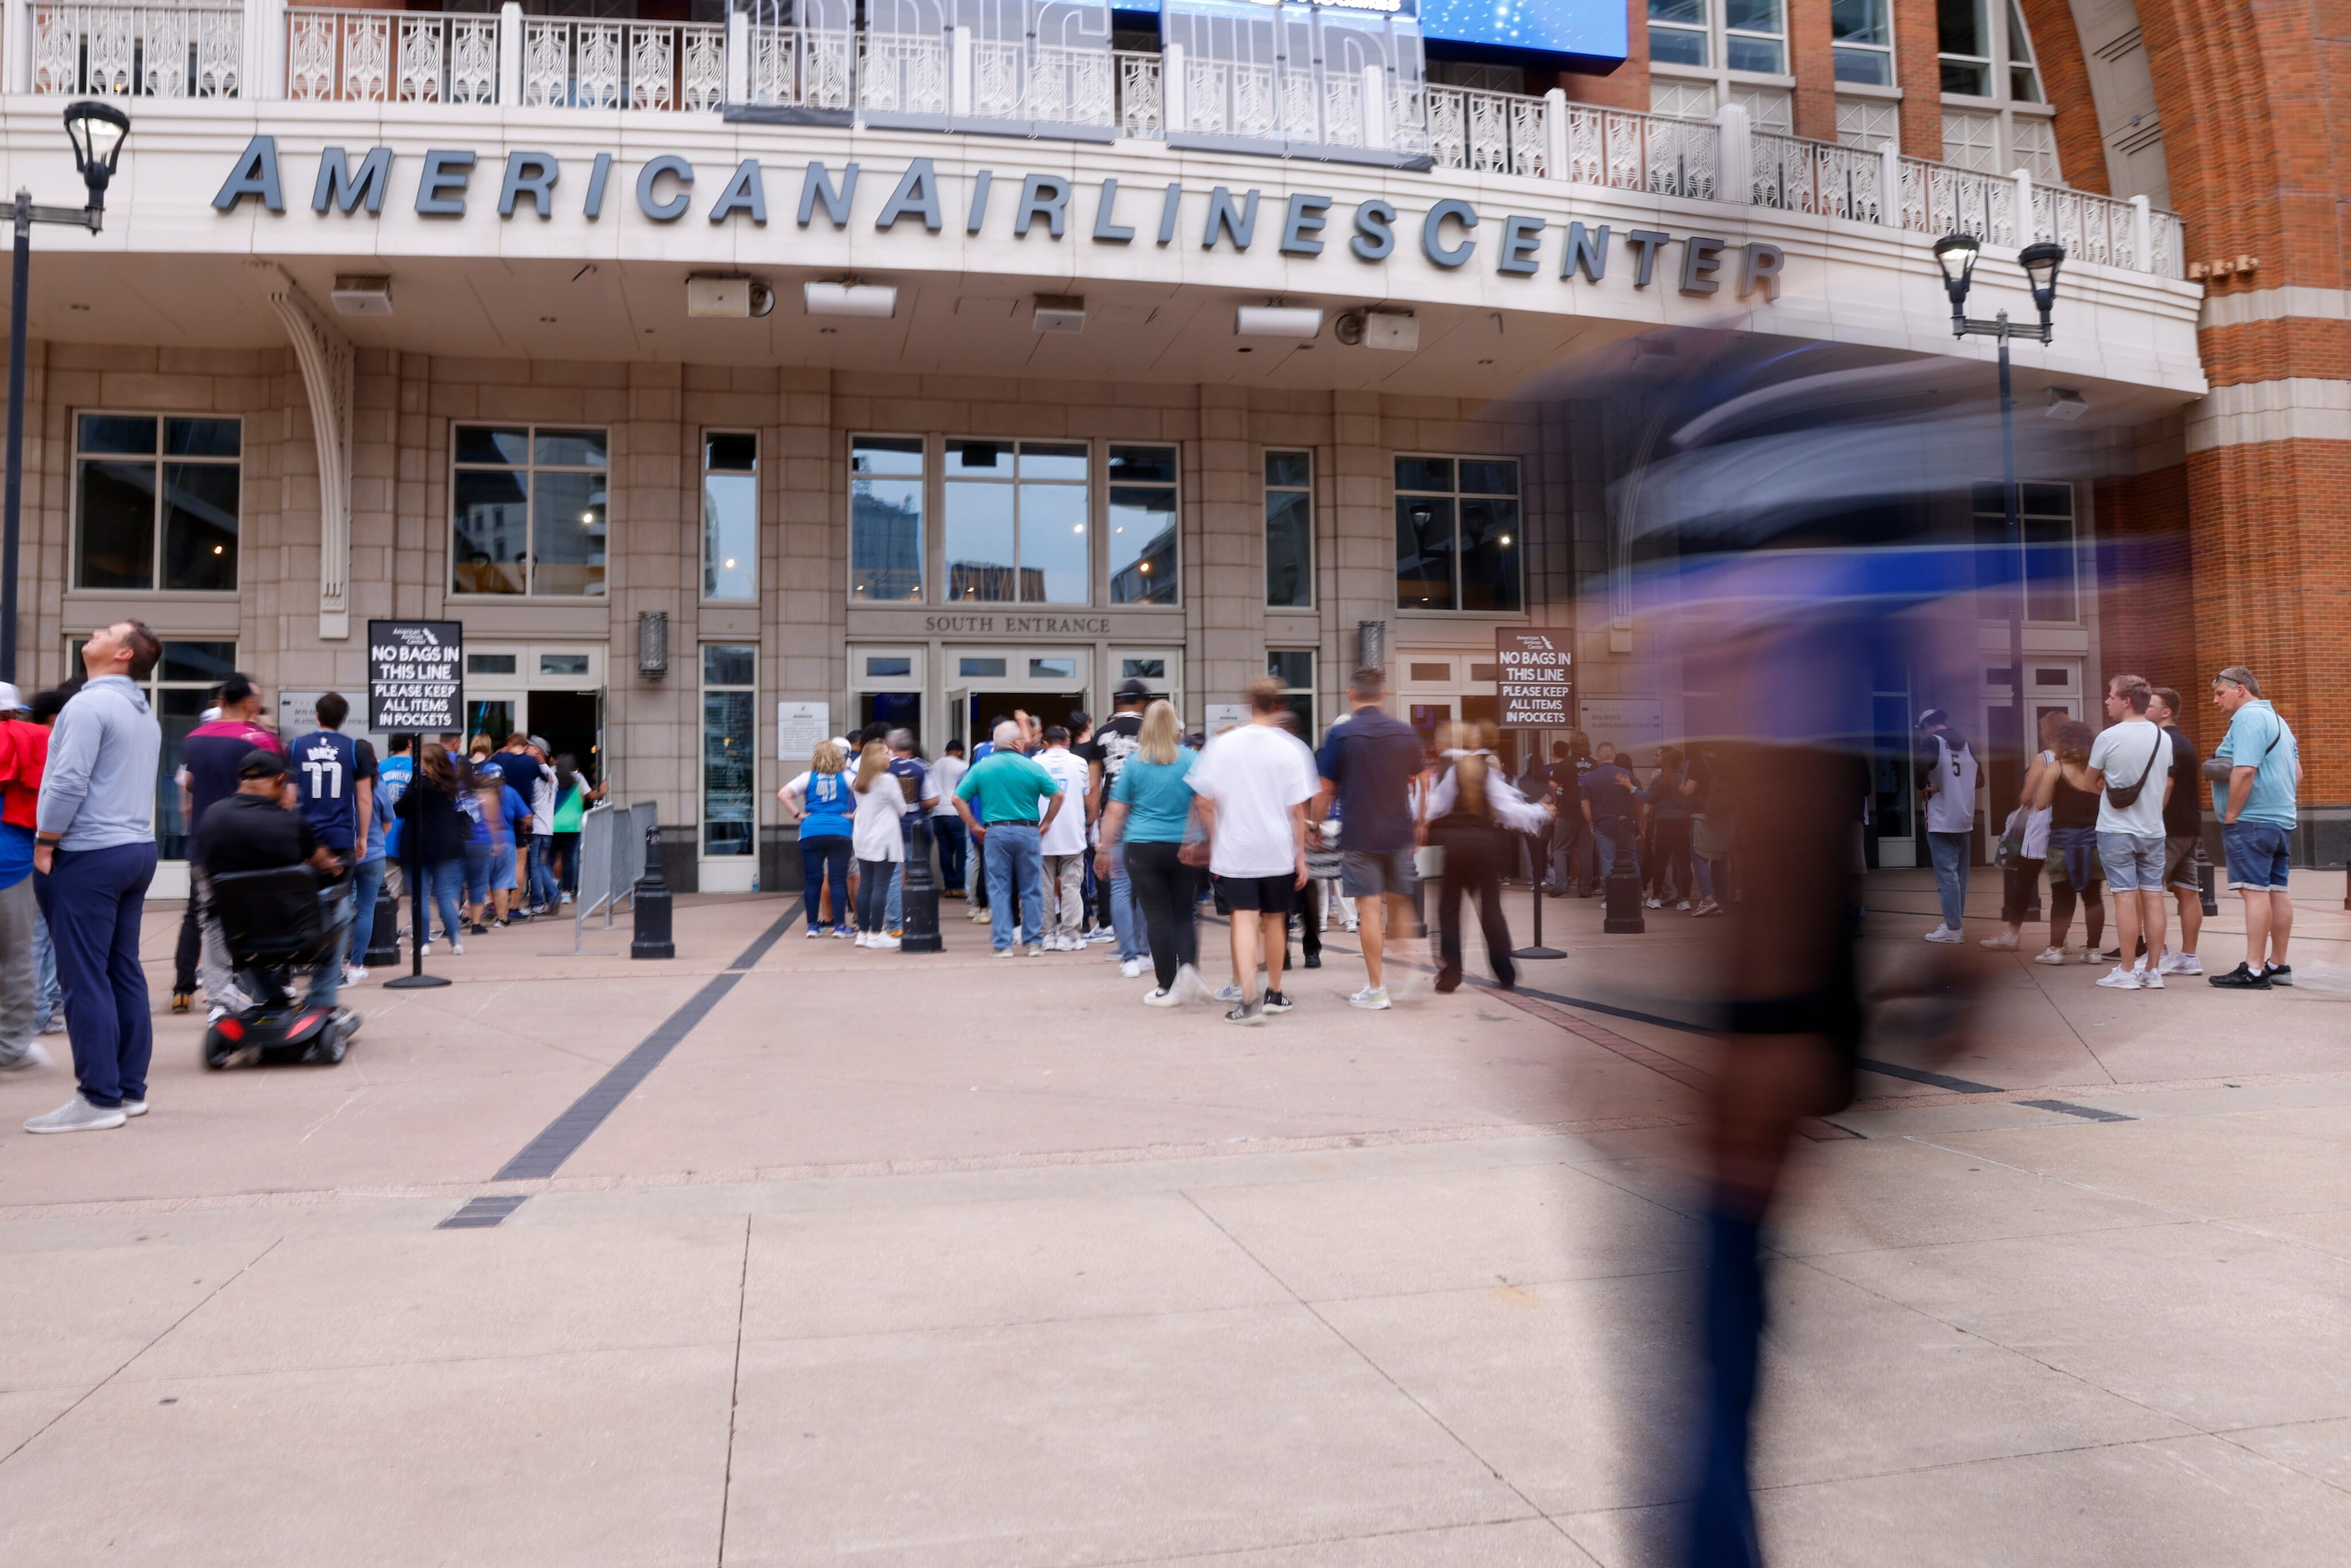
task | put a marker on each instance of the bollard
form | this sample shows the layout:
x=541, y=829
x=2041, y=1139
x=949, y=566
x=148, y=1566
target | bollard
x=919, y=902
x=2207, y=889
x=1623, y=912
x=383, y=936
x=650, y=900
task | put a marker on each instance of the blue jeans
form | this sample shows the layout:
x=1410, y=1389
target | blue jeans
x=820, y=858
x=1015, y=866
x=476, y=888
x=1126, y=909
x=1604, y=835
x=543, y=891
x=445, y=885
x=48, y=996
x=92, y=900
x=1950, y=851
x=948, y=832
x=894, y=902
x=367, y=885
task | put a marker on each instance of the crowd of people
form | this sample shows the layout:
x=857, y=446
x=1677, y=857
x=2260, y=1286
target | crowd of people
x=2122, y=808
x=1115, y=835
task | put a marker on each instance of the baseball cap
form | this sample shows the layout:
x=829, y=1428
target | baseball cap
x=539, y=741
x=1131, y=690
x=11, y=699
x=261, y=763
x=1933, y=715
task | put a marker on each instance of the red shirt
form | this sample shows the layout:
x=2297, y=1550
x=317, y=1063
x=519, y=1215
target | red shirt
x=24, y=752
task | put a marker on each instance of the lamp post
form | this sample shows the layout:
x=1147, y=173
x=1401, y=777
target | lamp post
x=97, y=131
x=1957, y=255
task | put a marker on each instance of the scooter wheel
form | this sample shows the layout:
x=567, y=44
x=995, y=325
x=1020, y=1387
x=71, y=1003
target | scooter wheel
x=216, y=1055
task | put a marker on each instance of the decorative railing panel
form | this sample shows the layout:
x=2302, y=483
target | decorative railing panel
x=379, y=57
x=137, y=51
x=803, y=67
x=1493, y=132
x=1142, y=98
x=1798, y=176
x=623, y=64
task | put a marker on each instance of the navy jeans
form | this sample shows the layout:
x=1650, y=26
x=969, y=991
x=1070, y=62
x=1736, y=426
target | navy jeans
x=820, y=858
x=93, y=900
x=1016, y=870
x=367, y=882
x=948, y=830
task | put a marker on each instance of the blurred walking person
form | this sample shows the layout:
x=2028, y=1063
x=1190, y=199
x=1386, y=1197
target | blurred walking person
x=2021, y=877
x=2076, y=873
x=1150, y=805
x=1253, y=782
x=1473, y=812
x=93, y=857
x=1947, y=776
x=825, y=806
x=1366, y=768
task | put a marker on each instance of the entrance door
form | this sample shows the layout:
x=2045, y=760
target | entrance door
x=572, y=725
x=554, y=691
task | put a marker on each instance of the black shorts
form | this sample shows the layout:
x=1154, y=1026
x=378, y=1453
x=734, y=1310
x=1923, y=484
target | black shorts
x=1264, y=894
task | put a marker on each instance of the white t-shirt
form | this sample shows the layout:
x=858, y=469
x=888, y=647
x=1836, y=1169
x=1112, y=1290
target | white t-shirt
x=1067, y=836
x=1255, y=773
x=945, y=774
x=875, y=834
x=2122, y=752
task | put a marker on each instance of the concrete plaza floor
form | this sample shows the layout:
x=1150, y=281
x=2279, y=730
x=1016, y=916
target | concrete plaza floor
x=948, y=1261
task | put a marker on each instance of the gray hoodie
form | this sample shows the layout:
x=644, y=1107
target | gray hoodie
x=99, y=790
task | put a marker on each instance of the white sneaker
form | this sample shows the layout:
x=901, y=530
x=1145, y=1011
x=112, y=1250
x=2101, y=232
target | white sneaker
x=2051, y=955
x=1369, y=997
x=1683, y=906
x=1131, y=969
x=36, y=1055
x=1655, y=904
x=861, y=941
x=1035, y=950
x=1155, y=998
x=1189, y=987
x=77, y=1116
x=1225, y=994
x=2150, y=979
x=814, y=932
x=456, y=947
x=353, y=975
x=1006, y=952
x=886, y=942
x=134, y=1107
x=1944, y=934
x=2120, y=979
x=2003, y=943
x=2180, y=964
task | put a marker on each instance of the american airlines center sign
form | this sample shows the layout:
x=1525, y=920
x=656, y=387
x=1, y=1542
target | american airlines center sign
x=457, y=184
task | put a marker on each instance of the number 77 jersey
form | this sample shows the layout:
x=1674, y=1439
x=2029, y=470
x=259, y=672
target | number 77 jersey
x=326, y=776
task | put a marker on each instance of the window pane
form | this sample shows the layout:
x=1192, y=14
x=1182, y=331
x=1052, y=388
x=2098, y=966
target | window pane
x=978, y=541
x=2024, y=84
x=1053, y=669
x=1143, y=669
x=889, y=669
x=2020, y=42
x=1487, y=476
x=731, y=453
x=1673, y=46
x=567, y=535
x=490, y=663
x=178, y=713
x=1289, y=470
x=201, y=437
x=1974, y=81
x=729, y=764
x=1959, y=27
x=483, y=443
x=200, y=527
x=885, y=538
x=1872, y=66
x=1143, y=465
x=572, y=448
x=2047, y=500
x=117, y=526
x=208, y=664
x=492, y=533
x=1424, y=474
x=1423, y=552
x=886, y=455
x=730, y=536
x=129, y=434
x=1751, y=16
x=1142, y=545
x=1859, y=22
x=728, y=664
x=2049, y=570
x=1288, y=549
x=1293, y=668
x=989, y=459
x=559, y=664
x=1055, y=462
x=1690, y=11
x=980, y=669
x=1489, y=555
x=1744, y=54
x=1052, y=542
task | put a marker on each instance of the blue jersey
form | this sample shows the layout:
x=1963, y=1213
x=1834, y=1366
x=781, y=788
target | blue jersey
x=829, y=807
x=327, y=773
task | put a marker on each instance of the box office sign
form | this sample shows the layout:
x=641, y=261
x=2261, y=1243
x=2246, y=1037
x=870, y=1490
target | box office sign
x=416, y=677
x=1534, y=687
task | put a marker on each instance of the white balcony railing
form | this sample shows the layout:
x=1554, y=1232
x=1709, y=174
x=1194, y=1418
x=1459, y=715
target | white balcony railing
x=204, y=49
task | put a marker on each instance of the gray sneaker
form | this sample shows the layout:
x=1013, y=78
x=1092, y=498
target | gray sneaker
x=1227, y=993
x=76, y=1115
x=1369, y=997
x=1246, y=1012
x=36, y=1055
x=134, y=1107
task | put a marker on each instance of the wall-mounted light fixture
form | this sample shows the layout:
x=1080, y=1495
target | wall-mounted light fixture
x=652, y=643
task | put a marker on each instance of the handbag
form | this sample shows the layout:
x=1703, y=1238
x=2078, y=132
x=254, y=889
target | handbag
x=2122, y=797
x=2011, y=840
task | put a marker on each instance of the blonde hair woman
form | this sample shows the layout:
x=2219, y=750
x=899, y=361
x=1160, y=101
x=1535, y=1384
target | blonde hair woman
x=821, y=801
x=1150, y=805
x=880, y=842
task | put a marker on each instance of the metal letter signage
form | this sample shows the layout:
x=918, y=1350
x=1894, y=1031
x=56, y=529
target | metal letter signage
x=1535, y=682
x=416, y=677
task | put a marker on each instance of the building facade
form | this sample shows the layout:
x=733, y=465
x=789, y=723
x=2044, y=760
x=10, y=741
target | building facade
x=738, y=379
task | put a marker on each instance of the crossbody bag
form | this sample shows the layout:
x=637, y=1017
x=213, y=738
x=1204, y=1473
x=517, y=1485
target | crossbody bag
x=2122, y=797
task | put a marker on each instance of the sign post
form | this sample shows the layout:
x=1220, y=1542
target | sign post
x=416, y=685
x=1535, y=689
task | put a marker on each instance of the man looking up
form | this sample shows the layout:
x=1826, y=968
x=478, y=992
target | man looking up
x=1253, y=782
x=2256, y=771
x=1366, y=765
x=93, y=856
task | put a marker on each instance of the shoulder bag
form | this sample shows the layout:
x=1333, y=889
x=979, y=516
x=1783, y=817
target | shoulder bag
x=2122, y=797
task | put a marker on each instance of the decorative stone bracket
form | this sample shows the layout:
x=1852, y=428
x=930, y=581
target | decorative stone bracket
x=326, y=357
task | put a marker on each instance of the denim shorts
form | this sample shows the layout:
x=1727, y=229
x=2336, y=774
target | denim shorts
x=2132, y=862
x=2257, y=856
x=1368, y=873
x=502, y=867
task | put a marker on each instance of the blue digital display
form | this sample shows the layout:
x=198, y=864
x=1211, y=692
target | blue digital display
x=1592, y=29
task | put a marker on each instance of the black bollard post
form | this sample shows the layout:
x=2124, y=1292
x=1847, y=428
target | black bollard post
x=1535, y=898
x=1623, y=916
x=383, y=936
x=651, y=905
x=919, y=903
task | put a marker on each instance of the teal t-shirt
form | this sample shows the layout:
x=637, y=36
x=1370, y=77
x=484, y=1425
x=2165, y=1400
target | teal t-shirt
x=2249, y=745
x=1006, y=787
x=1158, y=801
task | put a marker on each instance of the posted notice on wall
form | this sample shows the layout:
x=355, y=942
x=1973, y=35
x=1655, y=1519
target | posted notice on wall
x=801, y=728
x=1534, y=687
x=1637, y=725
x=416, y=677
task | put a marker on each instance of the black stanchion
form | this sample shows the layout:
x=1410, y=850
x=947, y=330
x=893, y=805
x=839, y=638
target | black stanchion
x=1535, y=888
x=919, y=903
x=1623, y=916
x=416, y=978
x=383, y=935
x=651, y=905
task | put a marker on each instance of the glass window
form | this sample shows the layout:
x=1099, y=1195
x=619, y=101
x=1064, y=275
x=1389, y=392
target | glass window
x=1963, y=37
x=1458, y=544
x=1294, y=668
x=730, y=516
x=885, y=519
x=145, y=523
x=1142, y=550
x=1053, y=669
x=1677, y=32
x=2024, y=79
x=1143, y=669
x=889, y=669
x=490, y=663
x=1290, y=531
x=2052, y=588
x=1014, y=523
x=980, y=669
x=730, y=753
x=527, y=511
x=561, y=663
x=1862, y=34
x=1754, y=36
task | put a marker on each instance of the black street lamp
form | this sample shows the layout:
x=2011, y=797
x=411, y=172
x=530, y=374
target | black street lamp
x=97, y=131
x=1957, y=255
